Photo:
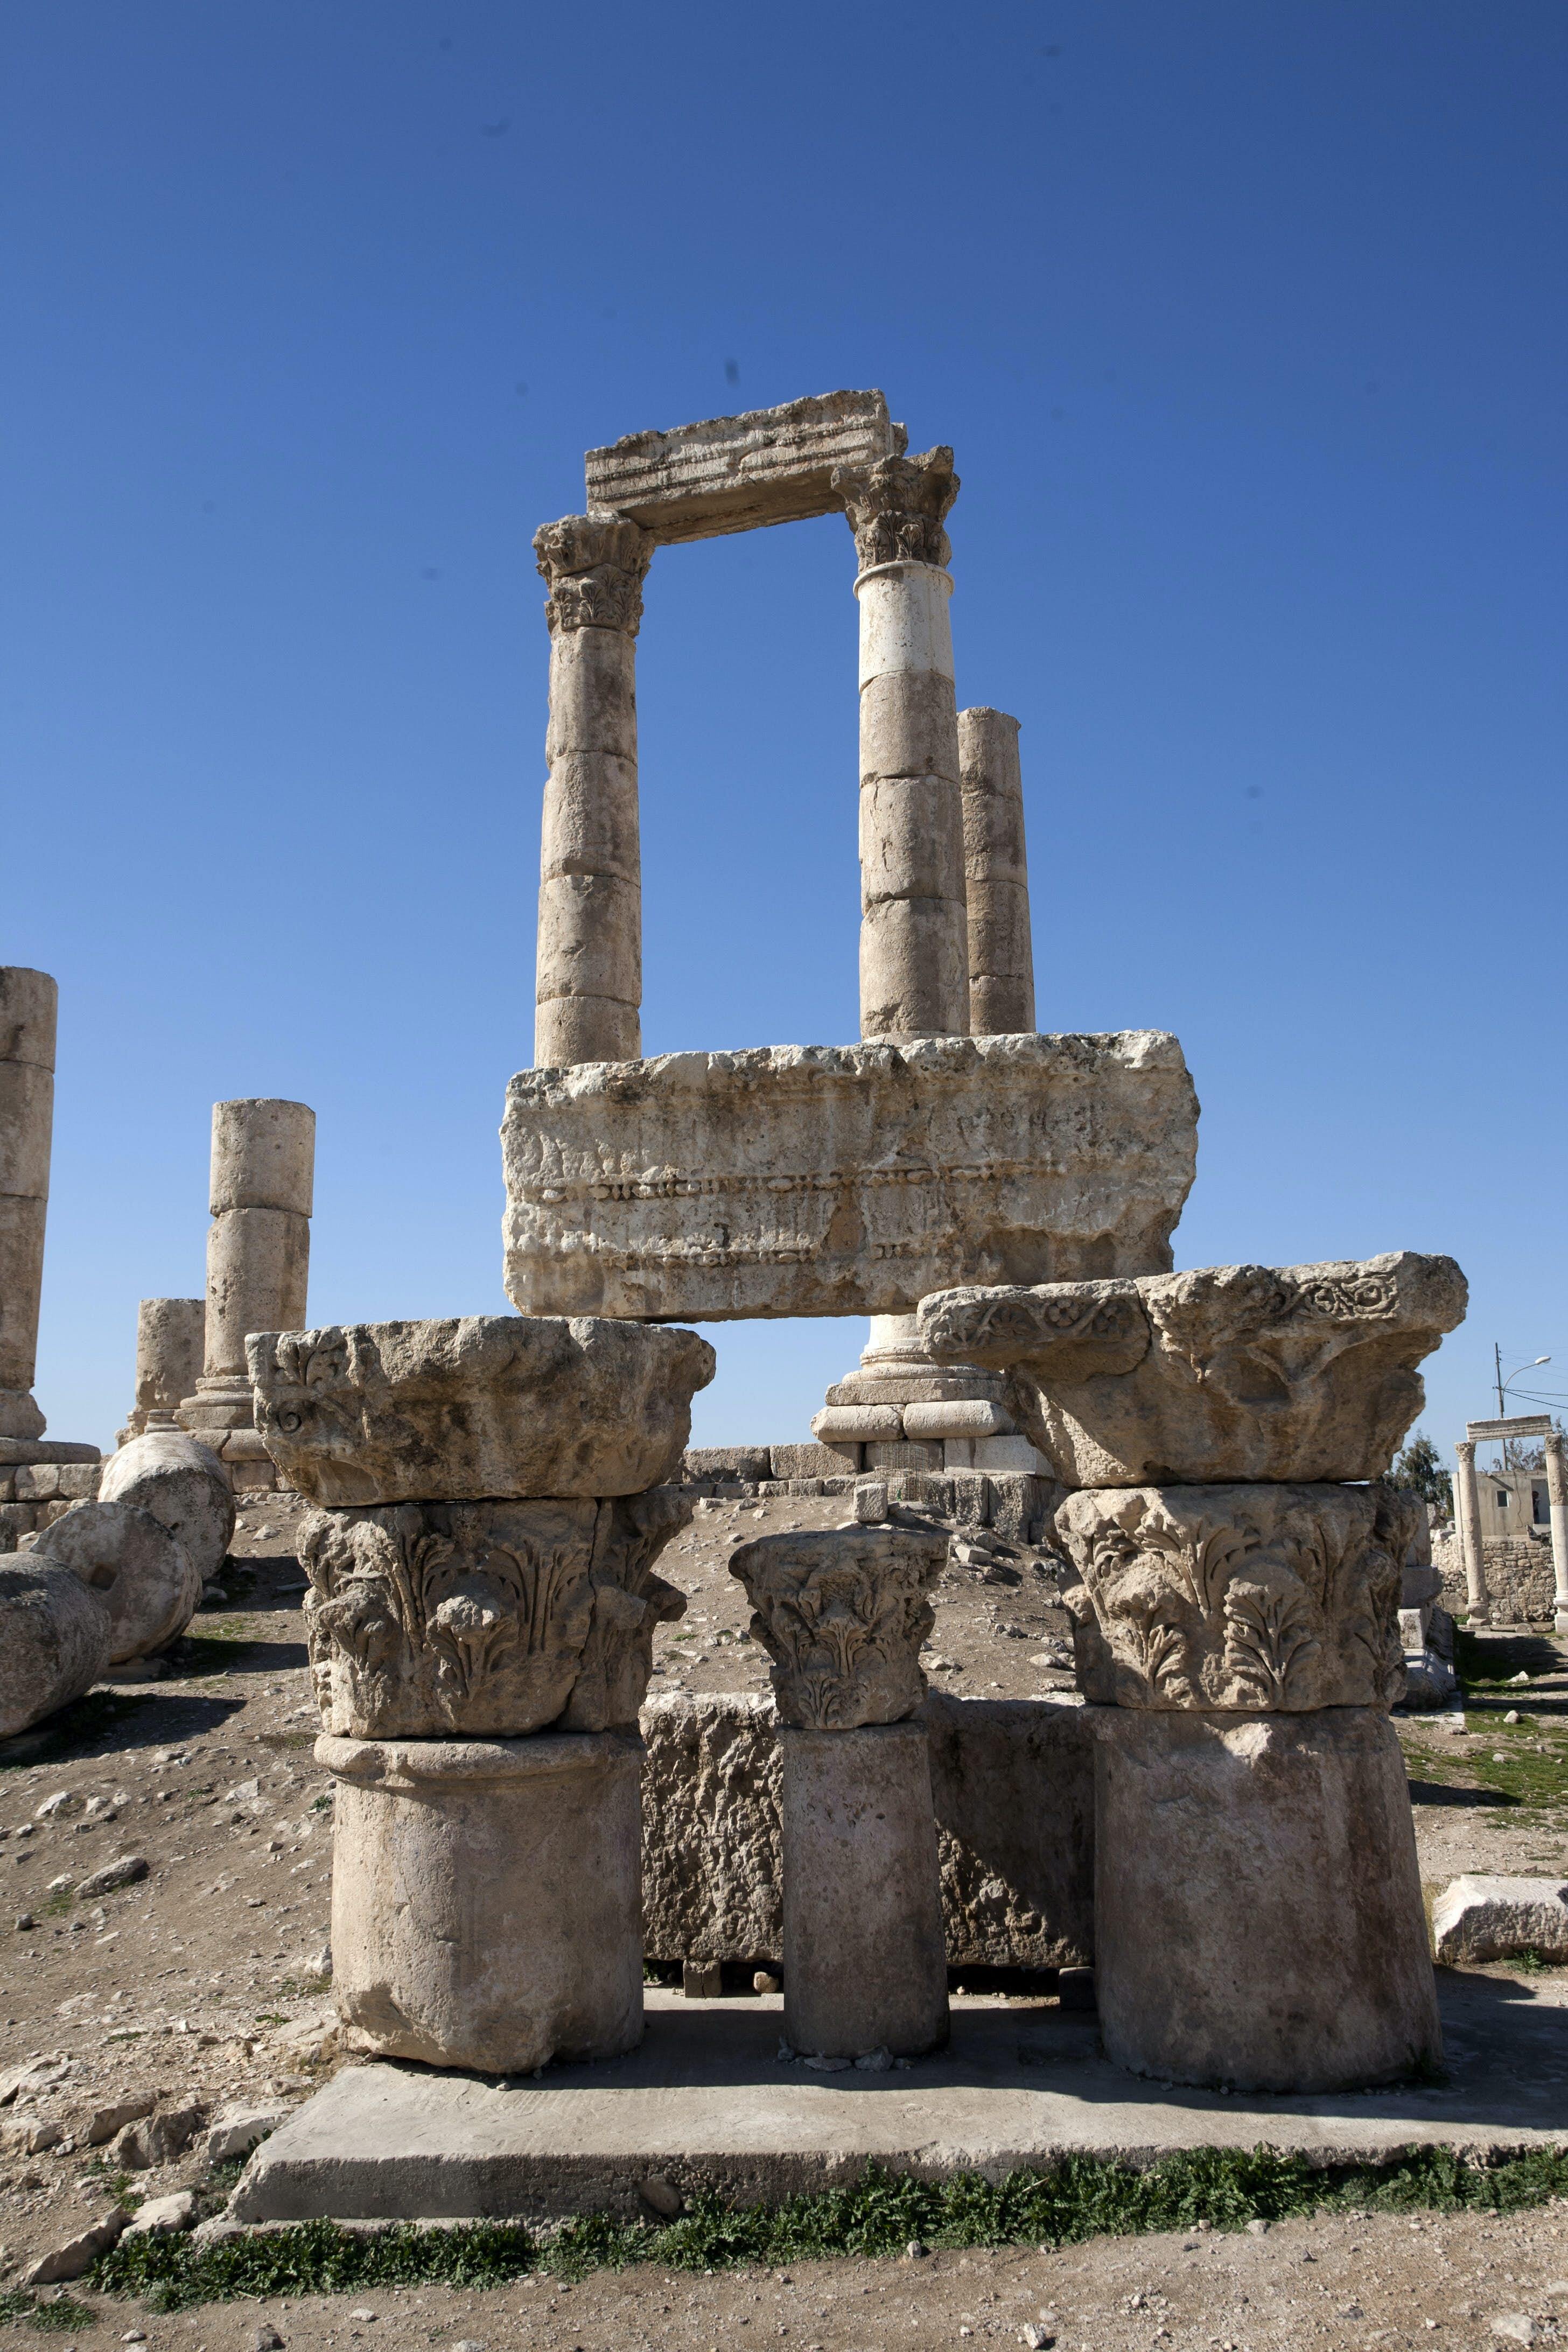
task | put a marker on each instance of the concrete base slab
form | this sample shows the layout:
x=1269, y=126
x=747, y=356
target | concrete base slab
x=704, y=2103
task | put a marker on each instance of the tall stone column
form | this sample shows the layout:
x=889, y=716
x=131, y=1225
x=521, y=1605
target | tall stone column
x=914, y=951
x=1469, y=1502
x=1557, y=1498
x=258, y=1260
x=589, y=987
x=171, y=1349
x=27, y=1004
x=995, y=875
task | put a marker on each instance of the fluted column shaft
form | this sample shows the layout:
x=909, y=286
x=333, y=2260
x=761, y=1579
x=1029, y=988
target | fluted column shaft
x=914, y=954
x=589, y=990
x=27, y=1007
x=1469, y=1503
x=995, y=875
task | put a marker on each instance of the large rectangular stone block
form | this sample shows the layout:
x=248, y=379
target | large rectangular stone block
x=738, y=473
x=819, y=1179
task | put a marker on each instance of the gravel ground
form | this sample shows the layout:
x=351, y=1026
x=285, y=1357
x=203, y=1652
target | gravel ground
x=199, y=1985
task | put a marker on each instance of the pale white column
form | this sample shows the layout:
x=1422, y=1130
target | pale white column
x=995, y=875
x=589, y=988
x=1469, y=1502
x=914, y=947
x=27, y=1007
x=1557, y=1498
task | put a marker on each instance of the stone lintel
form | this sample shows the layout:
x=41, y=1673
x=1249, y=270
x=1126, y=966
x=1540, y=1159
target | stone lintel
x=1519, y=1424
x=742, y=473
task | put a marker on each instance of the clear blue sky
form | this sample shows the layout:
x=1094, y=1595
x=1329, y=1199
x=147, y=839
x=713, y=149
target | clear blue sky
x=1247, y=325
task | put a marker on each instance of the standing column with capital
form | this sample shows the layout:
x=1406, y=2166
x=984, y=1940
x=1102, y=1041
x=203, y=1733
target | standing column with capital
x=589, y=992
x=1557, y=1500
x=1469, y=1503
x=914, y=944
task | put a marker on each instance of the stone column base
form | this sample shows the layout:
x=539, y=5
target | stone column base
x=1259, y=1922
x=487, y=1899
x=900, y=1410
x=865, y=1963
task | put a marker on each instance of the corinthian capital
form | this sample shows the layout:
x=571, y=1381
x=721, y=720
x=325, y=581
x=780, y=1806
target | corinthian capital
x=842, y=1614
x=896, y=508
x=594, y=566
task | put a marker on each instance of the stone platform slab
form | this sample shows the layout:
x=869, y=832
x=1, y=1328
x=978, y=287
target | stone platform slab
x=704, y=2104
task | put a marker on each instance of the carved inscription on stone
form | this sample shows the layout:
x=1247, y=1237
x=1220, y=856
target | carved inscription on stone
x=1266, y=1597
x=842, y=1613
x=842, y=1179
x=439, y=1620
x=1234, y=1371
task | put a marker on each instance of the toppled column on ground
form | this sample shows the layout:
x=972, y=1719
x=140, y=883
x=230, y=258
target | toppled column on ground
x=589, y=989
x=56, y=1640
x=842, y=1614
x=258, y=1263
x=491, y=1502
x=184, y=1486
x=995, y=875
x=1235, y=1580
x=171, y=1351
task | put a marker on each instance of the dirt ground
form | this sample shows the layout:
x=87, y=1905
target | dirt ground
x=201, y=1984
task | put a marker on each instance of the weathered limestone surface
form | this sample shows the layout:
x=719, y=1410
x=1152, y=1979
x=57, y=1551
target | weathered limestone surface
x=995, y=874
x=864, y=1964
x=1240, y=1596
x=1476, y=1918
x=440, y=1619
x=914, y=950
x=1275, y=1856
x=493, y=1405
x=54, y=1640
x=739, y=473
x=28, y=1008
x=144, y=1576
x=485, y=1899
x=842, y=1613
x=184, y=1485
x=1231, y=1372
x=1013, y=1787
x=259, y=1251
x=589, y=957
x=170, y=1348
x=843, y=1179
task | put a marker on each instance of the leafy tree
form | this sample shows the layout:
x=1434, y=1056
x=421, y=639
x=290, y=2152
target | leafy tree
x=1421, y=1470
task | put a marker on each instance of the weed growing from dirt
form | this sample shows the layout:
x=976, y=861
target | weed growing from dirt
x=58, y=2312
x=1084, y=2196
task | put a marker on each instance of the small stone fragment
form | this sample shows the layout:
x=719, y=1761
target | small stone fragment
x=76, y=2256
x=126, y=1872
x=267, y=2339
x=164, y=2217
x=236, y=2129
x=104, y=2122
x=663, y=2196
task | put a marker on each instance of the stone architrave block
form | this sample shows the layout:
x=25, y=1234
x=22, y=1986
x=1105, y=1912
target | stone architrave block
x=1476, y=1918
x=439, y=1620
x=1245, y=1597
x=739, y=473
x=54, y=1639
x=1231, y=1372
x=842, y=1613
x=843, y=1179
x=143, y=1575
x=493, y=1405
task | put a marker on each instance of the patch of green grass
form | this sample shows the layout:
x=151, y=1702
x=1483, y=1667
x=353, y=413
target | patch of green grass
x=305, y=1987
x=1084, y=2196
x=286, y=1739
x=321, y=1804
x=61, y=2311
x=271, y=2016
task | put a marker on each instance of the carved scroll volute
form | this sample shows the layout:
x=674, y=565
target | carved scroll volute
x=593, y=567
x=842, y=1614
x=896, y=508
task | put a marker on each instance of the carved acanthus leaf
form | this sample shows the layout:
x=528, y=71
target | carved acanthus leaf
x=594, y=568
x=896, y=508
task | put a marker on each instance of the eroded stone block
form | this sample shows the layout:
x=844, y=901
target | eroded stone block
x=498, y=1405
x=1229, y=1372
x=438, y=1619
x=843, y=1179
x=1238, y=1597
x=54, y=1640
x=739, y=473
